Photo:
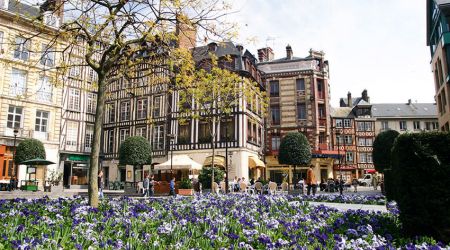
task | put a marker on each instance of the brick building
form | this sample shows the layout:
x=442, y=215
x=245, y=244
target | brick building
x=299, y=101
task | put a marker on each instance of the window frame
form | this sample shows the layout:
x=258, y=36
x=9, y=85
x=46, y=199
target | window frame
x=274, y=91
x=124, y=111
x=18, y=82
x=74, y=99
x=41, y=122
x=12, y=123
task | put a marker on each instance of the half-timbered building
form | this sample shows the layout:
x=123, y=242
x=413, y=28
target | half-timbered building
x=353, y=129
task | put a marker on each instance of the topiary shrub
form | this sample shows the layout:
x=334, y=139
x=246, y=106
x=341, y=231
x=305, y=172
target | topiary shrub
x=421, y=171
x=204, y=176
x=294, y=150
x=382, y=147
x=136, y=151
x=29, y=149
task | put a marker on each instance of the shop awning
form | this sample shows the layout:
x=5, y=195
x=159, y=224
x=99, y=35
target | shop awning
x=37, y=161
x=371, y=171
x=179, y=162
x=254, y=162
x=218, y=161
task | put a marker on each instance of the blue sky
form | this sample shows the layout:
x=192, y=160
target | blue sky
x=378, y=45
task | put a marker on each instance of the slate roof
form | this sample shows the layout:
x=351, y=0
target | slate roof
x=223, y=49
x=355, y=101
x=341, y=112
x=23, y=9
x=419, y=110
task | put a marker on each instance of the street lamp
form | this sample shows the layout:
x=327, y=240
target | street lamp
x=226, y=155
x=16, y=131
x=172, y=137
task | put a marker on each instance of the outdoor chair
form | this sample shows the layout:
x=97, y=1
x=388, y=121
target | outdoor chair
x=284, y=188
x=272, y=187
x=140, y=187
x=215, y=188
x=259, y=187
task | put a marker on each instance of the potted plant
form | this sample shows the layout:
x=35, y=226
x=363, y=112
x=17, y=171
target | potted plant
x=185, y=187
x=54, y=178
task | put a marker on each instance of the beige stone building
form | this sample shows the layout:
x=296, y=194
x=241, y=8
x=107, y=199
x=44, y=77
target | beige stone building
x=30, y=96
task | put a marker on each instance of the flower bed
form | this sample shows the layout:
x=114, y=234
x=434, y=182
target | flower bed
x=347, y=198
x=203, y=222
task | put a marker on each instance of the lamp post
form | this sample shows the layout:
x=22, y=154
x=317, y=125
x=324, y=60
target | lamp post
x=226, y=155
x=16, y=131
x=338, y=133
x=172, y=137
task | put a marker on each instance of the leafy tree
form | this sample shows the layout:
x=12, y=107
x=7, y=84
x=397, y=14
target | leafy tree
x=136, y=151
x=29, y=149
x=294, y=150
x=382, y=147
x=214, y=95
x=206, y=174
x=107, y=37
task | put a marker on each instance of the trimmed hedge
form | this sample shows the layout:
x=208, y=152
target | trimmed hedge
x=294, y=149
x=382, y=147
x=136, y=151
x=421, y=173
x=29, y=149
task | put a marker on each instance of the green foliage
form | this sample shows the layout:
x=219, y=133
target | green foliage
x=29, y=149
x=185, y=184
x=205, y=176
x=135, y=150
x=421, y=174
x=382, y=147
x=294, y=149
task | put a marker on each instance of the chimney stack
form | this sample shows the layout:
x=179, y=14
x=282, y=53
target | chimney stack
x=289, y=52
x=365, y=96
x=265, y=54
x=349, y=99
x=409, y=101
x=186, y=33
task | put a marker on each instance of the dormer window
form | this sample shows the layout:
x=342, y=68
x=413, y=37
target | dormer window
x=212, y=47
x=50, y=19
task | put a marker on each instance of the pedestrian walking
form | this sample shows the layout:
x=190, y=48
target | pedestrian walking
x=375, y=182
x=146, y=186
x=172, y=186
x=355, y=185
x=311, y=181
x=151, y=185
x=100, y=184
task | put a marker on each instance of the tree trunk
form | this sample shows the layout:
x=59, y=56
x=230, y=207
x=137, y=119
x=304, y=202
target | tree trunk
x=293, y=178
x=96, y=143
x=213, y=145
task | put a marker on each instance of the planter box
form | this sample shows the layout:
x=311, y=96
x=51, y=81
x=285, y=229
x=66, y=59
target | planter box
x=187, y=192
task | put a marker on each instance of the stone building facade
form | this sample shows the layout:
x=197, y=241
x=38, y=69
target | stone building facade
x=30, y=92
x=298, y=89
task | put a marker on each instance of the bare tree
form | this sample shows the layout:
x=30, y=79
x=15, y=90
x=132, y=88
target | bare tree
x=111, y=37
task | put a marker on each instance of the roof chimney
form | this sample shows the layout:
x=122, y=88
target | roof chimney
x=265, y=54
x=364, y=95
x=289, y=52
x=349, y=99
x=240, y=48
x=186, y=33
x=409, y=101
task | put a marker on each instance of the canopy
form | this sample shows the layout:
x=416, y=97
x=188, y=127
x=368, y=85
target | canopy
x=179, y=162
x=37, y=161
x=218, y=161
x=254, y=162
x=371, y=171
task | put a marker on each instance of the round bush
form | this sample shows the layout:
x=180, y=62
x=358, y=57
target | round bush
x=205, y=176
x=29, y=149
x=135, y=150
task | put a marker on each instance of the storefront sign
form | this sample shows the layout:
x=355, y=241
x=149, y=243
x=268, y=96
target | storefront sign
x=78, y=158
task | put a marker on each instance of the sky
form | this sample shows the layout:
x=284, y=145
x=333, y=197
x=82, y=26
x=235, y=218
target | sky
x=378, y=45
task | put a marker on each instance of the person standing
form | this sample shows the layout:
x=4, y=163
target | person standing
x=146, y=186
x=172, y=186
x=100, y=184
x=355, y=185
x=311, y=181
x=152, y=184
x=375, y=182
